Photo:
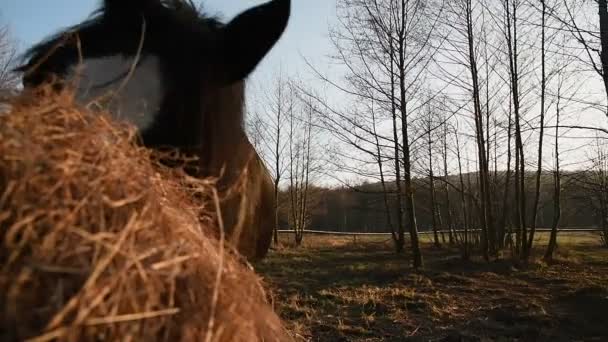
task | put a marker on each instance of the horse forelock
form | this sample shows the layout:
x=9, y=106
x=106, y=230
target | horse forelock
x=110, y=31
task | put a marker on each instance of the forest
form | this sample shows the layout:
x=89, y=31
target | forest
x=473, y=115
x=361, y=208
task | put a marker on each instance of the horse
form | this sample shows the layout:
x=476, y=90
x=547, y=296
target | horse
x=178, y=76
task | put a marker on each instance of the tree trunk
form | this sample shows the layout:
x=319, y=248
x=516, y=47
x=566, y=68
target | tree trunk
x=539, y=169
x=432, y=185
x=450, y=224
x=602, y=174
x=488, y=246
x=385, y=191
x=465, y=207
x=400, y=238
x=410, y=209
x=520, y=195
x=306, y=178
x=276, y=212
x=490, y=185
x=603, y=15
x=505, y=203
x=471, y=204
x=557, y=209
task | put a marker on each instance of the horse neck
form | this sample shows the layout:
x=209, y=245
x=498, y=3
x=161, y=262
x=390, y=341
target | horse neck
x=226, y=148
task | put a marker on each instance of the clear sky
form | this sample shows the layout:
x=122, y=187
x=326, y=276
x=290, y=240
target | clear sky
x=307, y=35
x=32, y=20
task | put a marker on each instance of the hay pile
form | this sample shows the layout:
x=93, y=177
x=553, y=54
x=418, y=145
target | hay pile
x=100, y=243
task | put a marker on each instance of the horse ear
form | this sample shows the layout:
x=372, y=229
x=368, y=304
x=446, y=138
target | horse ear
x=251, y=35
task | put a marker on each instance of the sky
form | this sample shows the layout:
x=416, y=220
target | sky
x=32, y=20
x=306, y=36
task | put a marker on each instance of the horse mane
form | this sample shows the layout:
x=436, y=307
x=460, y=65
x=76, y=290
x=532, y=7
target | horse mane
x=175, y=13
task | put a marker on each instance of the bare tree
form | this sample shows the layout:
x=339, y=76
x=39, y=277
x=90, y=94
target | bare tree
x=300, y=141
x=267, y=129
x=505, y=219
x=434, y=207
x=465, y=202
x=510, y=8
x=283, y=100
x=383, y=183
x=463, y=52
x=8, y=53
x=446, y=180
x=255, y=126
x=541, y=136
x=597, y=187
x=557, y=184
x=385, y=48
x=592, y=34
x=603, y=18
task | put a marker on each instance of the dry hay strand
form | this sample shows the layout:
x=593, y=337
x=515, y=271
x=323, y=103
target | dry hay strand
x=100, y=243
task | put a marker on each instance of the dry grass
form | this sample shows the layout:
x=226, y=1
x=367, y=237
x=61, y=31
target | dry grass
x=334, y=289
x=100, y=243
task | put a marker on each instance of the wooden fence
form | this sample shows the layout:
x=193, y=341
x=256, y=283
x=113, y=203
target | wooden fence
x=323, y=232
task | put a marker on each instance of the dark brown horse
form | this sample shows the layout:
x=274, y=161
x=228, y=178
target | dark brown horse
x=178, y=76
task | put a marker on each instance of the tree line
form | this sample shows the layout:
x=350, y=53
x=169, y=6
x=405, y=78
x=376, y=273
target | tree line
x=360, y=208
x=486, y=115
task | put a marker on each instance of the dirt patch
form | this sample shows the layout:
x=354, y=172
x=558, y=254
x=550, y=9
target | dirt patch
x=450, y=300
x=584, y=309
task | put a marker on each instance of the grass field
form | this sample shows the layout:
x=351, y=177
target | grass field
x=336, y=289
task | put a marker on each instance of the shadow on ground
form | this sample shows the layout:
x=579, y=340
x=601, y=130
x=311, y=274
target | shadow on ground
x=365, y=292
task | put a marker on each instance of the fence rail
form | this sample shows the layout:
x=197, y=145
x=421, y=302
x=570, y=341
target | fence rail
x=323, y=232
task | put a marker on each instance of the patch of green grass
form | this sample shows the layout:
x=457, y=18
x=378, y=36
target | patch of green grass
x=336, y=289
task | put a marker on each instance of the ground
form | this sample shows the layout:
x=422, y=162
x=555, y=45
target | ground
x=338, y=289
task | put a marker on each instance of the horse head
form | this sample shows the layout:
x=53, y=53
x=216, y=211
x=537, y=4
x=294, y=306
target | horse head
x=178, y=76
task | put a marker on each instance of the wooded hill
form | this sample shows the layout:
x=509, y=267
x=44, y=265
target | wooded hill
x=363, y=208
